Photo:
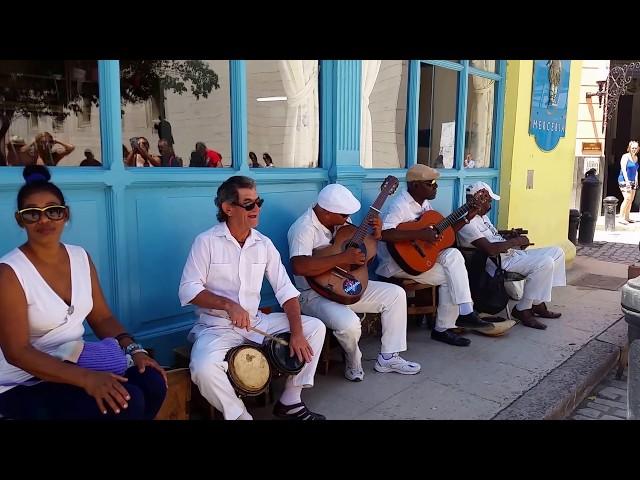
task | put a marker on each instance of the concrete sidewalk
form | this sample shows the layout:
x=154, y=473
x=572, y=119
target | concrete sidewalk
x=526, y=373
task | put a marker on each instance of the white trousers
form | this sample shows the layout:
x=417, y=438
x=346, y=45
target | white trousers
x=543, y=267
x=209, y=369
x=381, y=297
x=450, y=274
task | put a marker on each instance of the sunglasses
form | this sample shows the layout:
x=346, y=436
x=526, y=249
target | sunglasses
x=33, y=214
x=250, y=206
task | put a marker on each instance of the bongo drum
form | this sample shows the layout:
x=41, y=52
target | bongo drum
x=249, y=371
x=278, y=355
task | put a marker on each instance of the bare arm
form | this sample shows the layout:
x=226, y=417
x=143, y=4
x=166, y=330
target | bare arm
x=298, y=345
x=14, y=337
x=309, y=266
x=492, y=249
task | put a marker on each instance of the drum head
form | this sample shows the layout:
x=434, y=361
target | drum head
x=249, y=369
x=279, y=355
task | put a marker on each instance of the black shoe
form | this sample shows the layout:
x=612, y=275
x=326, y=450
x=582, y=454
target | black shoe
x=473, y=321
x=450, y=337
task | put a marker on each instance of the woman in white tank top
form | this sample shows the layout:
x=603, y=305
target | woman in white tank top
x=47, y=290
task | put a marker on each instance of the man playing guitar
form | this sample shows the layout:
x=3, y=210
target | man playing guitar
x=315, y=228
x=455, y=306
x=543, y=267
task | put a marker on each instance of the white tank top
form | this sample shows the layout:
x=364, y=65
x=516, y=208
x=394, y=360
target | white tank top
x=52, y=323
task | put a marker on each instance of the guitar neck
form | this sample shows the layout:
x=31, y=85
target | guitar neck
x=374, y=209
x=455, y=216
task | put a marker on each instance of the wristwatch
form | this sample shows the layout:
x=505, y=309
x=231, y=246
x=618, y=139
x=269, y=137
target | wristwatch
x=133, y=348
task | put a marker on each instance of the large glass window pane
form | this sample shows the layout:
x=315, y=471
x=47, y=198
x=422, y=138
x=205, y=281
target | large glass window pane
x=176, y=113
x=479, y=126
x=384, y=113
x=283, y=113
x=49, y=113
x=437, y=116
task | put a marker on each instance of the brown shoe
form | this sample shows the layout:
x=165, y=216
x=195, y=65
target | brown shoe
x=540, y=310
x=527, y=319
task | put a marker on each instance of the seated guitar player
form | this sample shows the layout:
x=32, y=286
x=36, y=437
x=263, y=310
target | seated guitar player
x=543, y=268
x=316, y=228
x=455, y=306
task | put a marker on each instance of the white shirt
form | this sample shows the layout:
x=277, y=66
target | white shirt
x=478, y=227
x=52, y=323
x=481, y=227
x=402, y=208
x=218, y=264
x=304, y=235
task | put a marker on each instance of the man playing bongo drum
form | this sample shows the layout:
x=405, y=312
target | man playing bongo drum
x=223, y=276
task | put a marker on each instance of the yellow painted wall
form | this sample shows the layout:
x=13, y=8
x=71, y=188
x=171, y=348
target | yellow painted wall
x=543, y=210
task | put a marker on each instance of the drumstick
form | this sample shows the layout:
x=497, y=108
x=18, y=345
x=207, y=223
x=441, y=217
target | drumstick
x=275, y=339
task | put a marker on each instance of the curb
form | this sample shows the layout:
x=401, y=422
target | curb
x=562, y=390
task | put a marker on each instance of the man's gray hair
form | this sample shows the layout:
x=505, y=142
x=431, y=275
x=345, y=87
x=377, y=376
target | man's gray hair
x=228, y=192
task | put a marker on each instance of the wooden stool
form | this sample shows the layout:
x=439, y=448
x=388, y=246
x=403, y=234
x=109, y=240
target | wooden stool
x=199, y=403
x=176, y=405
x=421, y=297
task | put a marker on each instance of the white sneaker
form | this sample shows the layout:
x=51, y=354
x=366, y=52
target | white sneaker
x=396, y=364
x=355, y=374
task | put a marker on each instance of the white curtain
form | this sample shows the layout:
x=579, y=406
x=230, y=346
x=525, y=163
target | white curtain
x=370, y=70
x=302, y=130
x=480, y=117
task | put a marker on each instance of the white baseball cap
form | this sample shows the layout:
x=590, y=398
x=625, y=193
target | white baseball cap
x=476, y=187
x=337, y=198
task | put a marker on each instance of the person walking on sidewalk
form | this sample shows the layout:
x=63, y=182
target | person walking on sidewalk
x=628, y=179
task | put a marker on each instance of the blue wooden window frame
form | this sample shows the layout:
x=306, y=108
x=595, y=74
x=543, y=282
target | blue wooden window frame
x=461, y=175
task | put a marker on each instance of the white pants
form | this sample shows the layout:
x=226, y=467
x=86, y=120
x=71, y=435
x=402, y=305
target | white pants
x=450, y=274
x=385, y=298
x=209, y=369
x=543, y=267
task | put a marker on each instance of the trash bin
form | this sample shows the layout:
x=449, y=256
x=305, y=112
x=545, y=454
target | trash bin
x=631, y=308
x=589, y=206
x=587, y=228
x=610, y=204
x=574, y=222
x=590, y=193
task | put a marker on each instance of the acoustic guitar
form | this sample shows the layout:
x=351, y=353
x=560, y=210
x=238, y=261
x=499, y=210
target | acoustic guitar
x=418, y=256
x=346, y=283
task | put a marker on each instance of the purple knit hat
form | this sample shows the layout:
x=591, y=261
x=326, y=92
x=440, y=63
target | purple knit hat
x=103, y=356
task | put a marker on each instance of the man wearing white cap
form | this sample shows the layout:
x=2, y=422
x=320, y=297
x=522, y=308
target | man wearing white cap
x=543, y=267
x=315, y=228
x=455, y=306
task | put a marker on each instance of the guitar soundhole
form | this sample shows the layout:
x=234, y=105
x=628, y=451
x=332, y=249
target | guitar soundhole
x=352, y=286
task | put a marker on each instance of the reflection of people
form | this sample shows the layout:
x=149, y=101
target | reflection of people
x=89, y=160
x=438, y=162
x=228, y=300
x=268, y=162
x=205, y=157
x=455, y=307
x=45, y=154
x=628, y=179
x=139, y=156
x=167, y=155
x=543, y=267
x=254, y=160
x=163, y=127
x=469, y=162
x=15, y=155
x=313, y=230
x=47, y=290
